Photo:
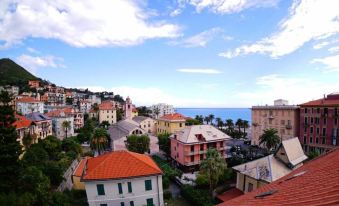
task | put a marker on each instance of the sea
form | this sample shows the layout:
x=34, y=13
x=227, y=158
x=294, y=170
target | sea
x=223, y=113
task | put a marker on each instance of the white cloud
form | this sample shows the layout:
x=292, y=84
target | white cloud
x=147, y=96
x=331, y=62
x=333, y=49
x=32, y=50
x=296, y=90
x=230, y=6
x=200, y=71
x=85, y=23
x=198, y=40
x=33, y=63
x=321, y=45
x=307, y=20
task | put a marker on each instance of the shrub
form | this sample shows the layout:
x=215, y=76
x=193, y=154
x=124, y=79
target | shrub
x=167, y=195
x=196, y=197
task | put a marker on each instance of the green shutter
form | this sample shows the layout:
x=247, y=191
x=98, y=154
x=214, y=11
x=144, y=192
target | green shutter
x=120, y=188
x=129, y=184
x=131, y=203
x=150, y=202
x=101, y=189
x=148, y=185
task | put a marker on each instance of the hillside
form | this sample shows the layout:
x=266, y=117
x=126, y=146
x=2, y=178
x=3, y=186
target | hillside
x=12, y=73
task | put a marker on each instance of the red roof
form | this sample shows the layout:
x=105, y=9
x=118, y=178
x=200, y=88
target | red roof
x=175, y=116
x=27, y=99
x=230, y=194
x=106, y=106
x=315, y=183
x=330, y=100
x=120, y=164
x=80, y=168
x=21, y=122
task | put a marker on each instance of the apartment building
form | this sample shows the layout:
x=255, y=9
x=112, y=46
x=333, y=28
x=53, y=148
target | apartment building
x=171, y=123
x=28, y=105
x=161, y=109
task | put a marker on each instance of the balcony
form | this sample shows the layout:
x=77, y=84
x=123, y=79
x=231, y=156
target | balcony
x=288, y=126
x=192, y=163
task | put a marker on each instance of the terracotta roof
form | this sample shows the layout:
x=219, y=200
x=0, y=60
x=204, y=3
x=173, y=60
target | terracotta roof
x=78, y=171
x=230, y=194
x=120, y=164
x=106, y=106
x=21, y=122
x=314, y=183
x=175, y=116
x=134, y=110
x=27, y=100
x=330, y=100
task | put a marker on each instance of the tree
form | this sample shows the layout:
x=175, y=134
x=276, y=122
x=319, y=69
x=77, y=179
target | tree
x=219, y=121
x=105, y=124
x=138, y=143
x=192, y=122
x=211, y=118
x=10, y=148
x=52, y=145
x=27, y=140
x=213, y=167
x=207, y=119
x=245, y=125
x=239, y=124
x=269, y=138
x=36, y=156
x=99, y=140
x=156, y=111
x=144, y=111
x=229, y=123
x=200, y=118
x=165, y=143
x=66, y=125
x=313, y=154
x=120, y=114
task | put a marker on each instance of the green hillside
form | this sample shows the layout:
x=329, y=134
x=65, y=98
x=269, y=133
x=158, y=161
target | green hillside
x=12, y=73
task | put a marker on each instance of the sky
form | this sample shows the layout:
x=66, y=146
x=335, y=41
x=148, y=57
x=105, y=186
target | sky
x=189, y=53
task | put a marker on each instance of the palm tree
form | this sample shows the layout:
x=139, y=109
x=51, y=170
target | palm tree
x=239, y=124
x=66, y=125
x=99, y=140
x=213, y=167
x=200, y=118
x=269, y=138
x=245, y=125
x=229, y=124
x=207, y=119
x=219, y=121
x=211, y=117
x=156, y=112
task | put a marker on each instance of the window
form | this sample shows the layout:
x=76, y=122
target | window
x=122, y=204
x=311, y=139
x=335, y=121
x=311, y=130
x=148, y=185
x=201, y=147
x=192, y=158
x=180, y=125
x=192, y=148
x=317, y=140
x=311, y=120
x=129, y=184
x=221, y=144
x=201, y=157
x=120, y=188
x=324, y=131
x=103, y=204
x=323, y=141
x=318, y=130
x=305, y=140
x=100, y=189
x=305, y=110
x=325, y=120
x=131, y=203
x=250, y=187
x=149, y=202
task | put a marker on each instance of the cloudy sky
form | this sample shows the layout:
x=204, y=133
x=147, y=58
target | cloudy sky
x=190, y=53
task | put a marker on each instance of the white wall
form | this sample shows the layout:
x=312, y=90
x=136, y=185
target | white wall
x=27, y=107
x=138, y=195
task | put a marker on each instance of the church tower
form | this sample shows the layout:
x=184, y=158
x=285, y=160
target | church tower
x=128, y=108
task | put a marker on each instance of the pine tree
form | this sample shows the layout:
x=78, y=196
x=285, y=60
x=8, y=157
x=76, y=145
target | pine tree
x=10, y=148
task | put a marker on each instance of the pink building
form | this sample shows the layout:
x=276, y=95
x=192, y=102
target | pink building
x=189, y=146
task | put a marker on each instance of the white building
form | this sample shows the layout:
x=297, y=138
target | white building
x=14, y=90
x=161, y=109
x=58, y=117
x=28, y=105
x=123, y=178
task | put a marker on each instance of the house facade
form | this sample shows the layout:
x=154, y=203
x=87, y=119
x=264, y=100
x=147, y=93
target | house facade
x=280, y=116
x=189, y=146
x=148, y=124
x=28, y=105
x=107, y=112
x=43, y=124
x=319, y=123
x=123, y=178
x=170, y=123
x=23, y=127
x=161, y=109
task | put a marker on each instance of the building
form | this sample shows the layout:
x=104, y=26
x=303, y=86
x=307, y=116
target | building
x=319, y=123
x=34, y=83
x=77, y=174
x=189, y=146
x=43, y=124
x=281, y=116
x=257, y=173
x=28, y=105
x=128, y=109
x=123, y=178
x=171, y=123
x=135, y=113
x=119, y=132
x=146, y=123
x=58, y=118
x=23, y=127
x=55, y=99
x=78, y=117
x=85, y=106
x=14, y=90
x=107, y=112
x=161, y=109
x=313, y=184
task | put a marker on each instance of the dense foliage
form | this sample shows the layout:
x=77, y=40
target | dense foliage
x=138, y=143
x=13, y=74
x=169, y=172
x=196, y=197
x=165, y=143
x=270, y=139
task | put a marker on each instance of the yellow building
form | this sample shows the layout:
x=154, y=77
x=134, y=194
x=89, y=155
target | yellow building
x=134, y=113
x=76, y=177
x=171, y=123
x=107, y=112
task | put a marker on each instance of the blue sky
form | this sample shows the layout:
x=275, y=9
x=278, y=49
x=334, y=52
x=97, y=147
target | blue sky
x=190, y=53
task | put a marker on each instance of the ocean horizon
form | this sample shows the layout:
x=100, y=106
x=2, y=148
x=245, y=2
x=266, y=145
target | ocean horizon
x=223, y=113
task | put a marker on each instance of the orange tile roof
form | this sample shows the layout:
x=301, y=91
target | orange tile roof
x=322, y=102
x=78, y=171
x=21, y=122
x=175, y=116
x=27, y=100
x=314, y=183
x=106, y=106
x=120, y=164
x=230, y=194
